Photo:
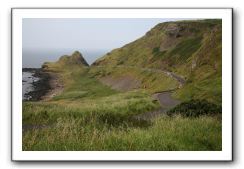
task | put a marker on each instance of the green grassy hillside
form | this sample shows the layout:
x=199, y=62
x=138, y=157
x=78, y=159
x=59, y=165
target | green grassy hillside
x=191, y=49
x=145, y=80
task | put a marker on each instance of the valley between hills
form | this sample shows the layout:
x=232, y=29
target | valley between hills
x=161, y=92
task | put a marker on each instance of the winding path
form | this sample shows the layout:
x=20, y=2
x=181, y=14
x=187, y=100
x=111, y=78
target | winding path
x=166, y=102
x=178, y=78
x=164, y=98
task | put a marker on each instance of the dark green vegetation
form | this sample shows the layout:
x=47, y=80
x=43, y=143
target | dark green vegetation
x=195, y=108
x=100, y=105
x=185, y=49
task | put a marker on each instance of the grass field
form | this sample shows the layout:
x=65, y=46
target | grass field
x=92, y=133
x=88, y=115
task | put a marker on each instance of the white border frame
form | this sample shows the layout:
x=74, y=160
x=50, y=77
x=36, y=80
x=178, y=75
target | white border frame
x=19, y=155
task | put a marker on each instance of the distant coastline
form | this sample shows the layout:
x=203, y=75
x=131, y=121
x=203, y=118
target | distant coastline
x=35, y=58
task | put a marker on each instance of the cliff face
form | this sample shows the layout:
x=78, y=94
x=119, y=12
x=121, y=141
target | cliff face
x=191, y=49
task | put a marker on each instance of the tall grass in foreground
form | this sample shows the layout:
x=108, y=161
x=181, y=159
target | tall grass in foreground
x=165, y=134
x=123, y=104
x=90, y=116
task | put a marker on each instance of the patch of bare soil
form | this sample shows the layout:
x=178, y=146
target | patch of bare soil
x=124, y=83
x=56, y=86
x=166, y=101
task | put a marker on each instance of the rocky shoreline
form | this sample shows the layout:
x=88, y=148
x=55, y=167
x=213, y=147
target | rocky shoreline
x=41, y=86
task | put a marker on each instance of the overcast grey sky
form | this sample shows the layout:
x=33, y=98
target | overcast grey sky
x=47, y=39
x=86, y=34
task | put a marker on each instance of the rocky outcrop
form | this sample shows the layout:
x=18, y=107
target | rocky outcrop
x=75, y=58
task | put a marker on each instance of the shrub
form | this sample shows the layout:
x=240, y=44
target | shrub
x=195, y=108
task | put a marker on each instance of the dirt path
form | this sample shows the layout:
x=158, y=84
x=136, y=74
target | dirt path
x=56, y=86
x=178, y=78
x=164, y=98
x=166, y=102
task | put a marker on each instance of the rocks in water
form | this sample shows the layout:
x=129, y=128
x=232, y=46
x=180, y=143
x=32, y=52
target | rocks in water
x=38, y=84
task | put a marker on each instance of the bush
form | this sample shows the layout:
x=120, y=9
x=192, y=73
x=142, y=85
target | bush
x=195, y=108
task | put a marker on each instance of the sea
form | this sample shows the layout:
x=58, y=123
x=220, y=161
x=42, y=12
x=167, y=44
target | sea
x=35, y=59
x=27, y=84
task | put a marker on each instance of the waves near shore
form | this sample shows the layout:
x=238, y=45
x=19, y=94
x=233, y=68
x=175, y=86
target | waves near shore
x=35, y=84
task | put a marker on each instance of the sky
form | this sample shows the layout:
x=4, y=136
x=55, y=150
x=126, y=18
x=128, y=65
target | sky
x=87, y=34
x=46, y=39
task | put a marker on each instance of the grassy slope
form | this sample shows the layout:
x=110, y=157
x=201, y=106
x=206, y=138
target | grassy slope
x=150, y=81
x=91, y=116
x=84, y=94
x=191, y=49
x=205, y=80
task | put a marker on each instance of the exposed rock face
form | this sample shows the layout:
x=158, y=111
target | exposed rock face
x=174, y=30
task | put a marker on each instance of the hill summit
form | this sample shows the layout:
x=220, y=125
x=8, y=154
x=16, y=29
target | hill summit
x=75, y=58
x=172, y=45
